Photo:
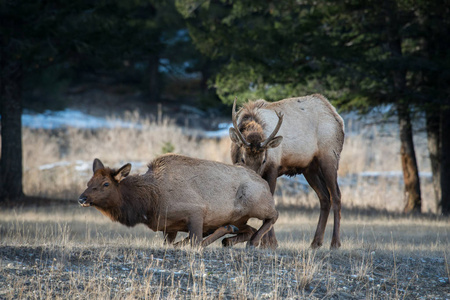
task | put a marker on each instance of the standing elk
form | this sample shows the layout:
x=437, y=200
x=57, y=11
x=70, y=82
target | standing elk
x=310, y=142
x=179, y=193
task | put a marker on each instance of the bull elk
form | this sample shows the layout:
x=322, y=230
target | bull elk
x=309, y=142
x=179, y=193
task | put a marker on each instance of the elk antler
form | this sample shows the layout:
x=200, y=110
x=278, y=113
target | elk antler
x=239, y=134
x=275, y=131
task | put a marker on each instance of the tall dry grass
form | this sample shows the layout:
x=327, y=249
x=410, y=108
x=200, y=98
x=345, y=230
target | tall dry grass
x=57, y=163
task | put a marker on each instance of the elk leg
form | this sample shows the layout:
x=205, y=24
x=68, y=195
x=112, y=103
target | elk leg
x=220, y=232
x=319, y=186
x=169, y=237
x=336, y=241
x=244, y=235
x=265, y=227
x=195, y=228
x=269, y=240
x=329, y=169
x=207, y=235
x=271, y=175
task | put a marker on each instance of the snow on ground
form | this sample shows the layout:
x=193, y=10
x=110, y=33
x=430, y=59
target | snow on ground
x=222, y=131
x=71, y=118
x=78, y=119
x=84, y=166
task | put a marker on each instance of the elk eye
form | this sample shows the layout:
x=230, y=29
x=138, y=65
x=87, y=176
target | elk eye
x=242, y=160
x=264, y=161
x=106, y=184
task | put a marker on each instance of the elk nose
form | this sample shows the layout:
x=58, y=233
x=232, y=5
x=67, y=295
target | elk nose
x=82, y=199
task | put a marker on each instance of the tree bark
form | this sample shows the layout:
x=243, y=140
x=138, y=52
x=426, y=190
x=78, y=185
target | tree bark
x=434, y=150
x=413, y=201
x=445, y=161
x=11, y=131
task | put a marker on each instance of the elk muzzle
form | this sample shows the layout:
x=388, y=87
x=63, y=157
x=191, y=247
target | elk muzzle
x=83, y=200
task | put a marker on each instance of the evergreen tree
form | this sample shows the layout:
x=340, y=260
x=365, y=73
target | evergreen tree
x=267, y=46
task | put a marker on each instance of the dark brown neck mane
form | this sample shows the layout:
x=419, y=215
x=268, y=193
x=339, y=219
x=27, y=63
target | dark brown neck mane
x=139, y=201
x=251, y=125
x=249, y=114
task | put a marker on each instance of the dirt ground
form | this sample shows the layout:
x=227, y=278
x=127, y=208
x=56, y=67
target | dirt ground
x=236, y=273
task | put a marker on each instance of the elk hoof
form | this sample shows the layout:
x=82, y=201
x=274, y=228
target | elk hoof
x=226, y=243
x=269, y=242
x=272, y=246
x=316, y=245
x=335, y=245
x=252, y=244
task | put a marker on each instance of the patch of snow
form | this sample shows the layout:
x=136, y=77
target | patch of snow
x=53, y=165
x=77, y=119
x=71, y=118
x=155, y=270
x=84, y=166
x=223, y=131
x=298, y=179
x=180, y=273
x=81, y=165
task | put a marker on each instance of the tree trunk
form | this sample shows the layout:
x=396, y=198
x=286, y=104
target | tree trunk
x=434, y=150
x=407, y=153
x=413, y=200
x=445, y=161
x=11, y=131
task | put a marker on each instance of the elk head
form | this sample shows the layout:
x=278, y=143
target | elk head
x=103, y=188
x=253, y=146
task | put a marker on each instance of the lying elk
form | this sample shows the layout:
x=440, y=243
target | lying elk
x=179, y=193
x=310, y=142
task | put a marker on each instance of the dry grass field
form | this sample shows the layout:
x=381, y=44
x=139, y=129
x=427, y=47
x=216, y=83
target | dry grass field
x=65, y=251
x=68, y=252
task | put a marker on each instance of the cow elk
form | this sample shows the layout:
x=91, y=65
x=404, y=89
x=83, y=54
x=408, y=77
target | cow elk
x=179, y=193
x=310, y=141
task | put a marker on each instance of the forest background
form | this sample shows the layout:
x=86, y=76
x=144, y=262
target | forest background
x=186, y=56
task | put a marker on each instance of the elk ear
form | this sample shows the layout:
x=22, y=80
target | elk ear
x=275, y=142
x=234, y=137
x=97, y=165
x=122, y=172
